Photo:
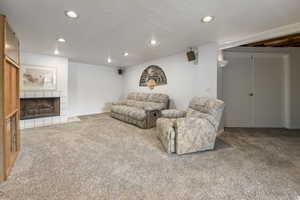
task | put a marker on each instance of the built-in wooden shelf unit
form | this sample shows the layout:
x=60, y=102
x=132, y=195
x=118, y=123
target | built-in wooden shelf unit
x=9, y=98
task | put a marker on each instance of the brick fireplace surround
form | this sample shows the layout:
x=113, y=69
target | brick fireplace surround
x=44, y=120
x=32, y=108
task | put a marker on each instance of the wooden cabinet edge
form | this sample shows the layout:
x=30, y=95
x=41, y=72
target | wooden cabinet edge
x=7, y=156
x=11, y=61
x=2, y=130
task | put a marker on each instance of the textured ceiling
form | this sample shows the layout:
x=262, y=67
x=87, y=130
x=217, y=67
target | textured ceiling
x=111, y=27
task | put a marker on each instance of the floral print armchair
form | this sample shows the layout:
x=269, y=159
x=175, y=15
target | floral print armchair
x=192, y=130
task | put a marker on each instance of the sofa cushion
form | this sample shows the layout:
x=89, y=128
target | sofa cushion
x=134, y=103
x=145, y=105
x=206, y=105
x=158, y=98
x=132, y=112
x=137, y=96
x=154, y=106
x=148, y=97
x=213, y=107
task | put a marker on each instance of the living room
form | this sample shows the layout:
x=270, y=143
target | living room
x=150, y=100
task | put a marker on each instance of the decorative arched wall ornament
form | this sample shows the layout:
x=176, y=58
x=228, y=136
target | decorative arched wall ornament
x=153, y=76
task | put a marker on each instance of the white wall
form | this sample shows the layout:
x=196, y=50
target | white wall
x=61, y=65
x=185, y=79
x=92, y=88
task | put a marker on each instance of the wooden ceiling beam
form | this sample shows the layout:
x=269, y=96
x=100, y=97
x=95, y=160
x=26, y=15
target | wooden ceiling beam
x=286, y=43
x=265, y=42
x=296, y=44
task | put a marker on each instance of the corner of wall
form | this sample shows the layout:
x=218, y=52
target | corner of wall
x=208, y=70
x=287, y=93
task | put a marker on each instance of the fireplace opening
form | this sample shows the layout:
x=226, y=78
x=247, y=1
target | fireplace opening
x=32, y=108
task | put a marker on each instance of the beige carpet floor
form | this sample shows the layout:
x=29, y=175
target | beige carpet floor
x=103, y=158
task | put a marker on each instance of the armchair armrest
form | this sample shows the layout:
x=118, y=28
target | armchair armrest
x=208, y=117
x=194, y=134
x=173, y=113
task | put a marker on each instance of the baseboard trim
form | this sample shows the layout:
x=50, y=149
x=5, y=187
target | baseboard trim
x=90, y=114
x=293, y=128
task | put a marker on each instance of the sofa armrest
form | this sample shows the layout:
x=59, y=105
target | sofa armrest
x=119, y=103
x=151, y=117
x=153, y=113
x=173, y=113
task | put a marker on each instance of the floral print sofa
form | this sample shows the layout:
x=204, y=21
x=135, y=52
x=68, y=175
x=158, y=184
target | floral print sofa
x=140, y=109
x=192, y=130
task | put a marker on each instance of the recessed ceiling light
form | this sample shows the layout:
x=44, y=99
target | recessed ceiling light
x=126, y=54
x=62, y=40
x=207, y=19
x=153, y=42
x=109, y=60
x=56, y=52
x=71, y=14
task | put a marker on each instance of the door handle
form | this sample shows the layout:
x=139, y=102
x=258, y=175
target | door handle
x=251, y=94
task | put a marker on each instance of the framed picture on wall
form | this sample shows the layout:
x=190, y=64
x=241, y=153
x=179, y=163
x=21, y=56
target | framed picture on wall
x=38, y=78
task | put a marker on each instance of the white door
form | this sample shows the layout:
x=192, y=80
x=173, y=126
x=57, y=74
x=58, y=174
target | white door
x=253, y=90
x=236, y=88
x=268, y=90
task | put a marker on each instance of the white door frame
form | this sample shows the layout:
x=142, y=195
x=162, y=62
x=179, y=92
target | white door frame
x=285, y=107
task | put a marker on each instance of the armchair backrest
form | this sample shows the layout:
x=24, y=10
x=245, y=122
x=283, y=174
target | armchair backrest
x=210, y=106
x=150, y=97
